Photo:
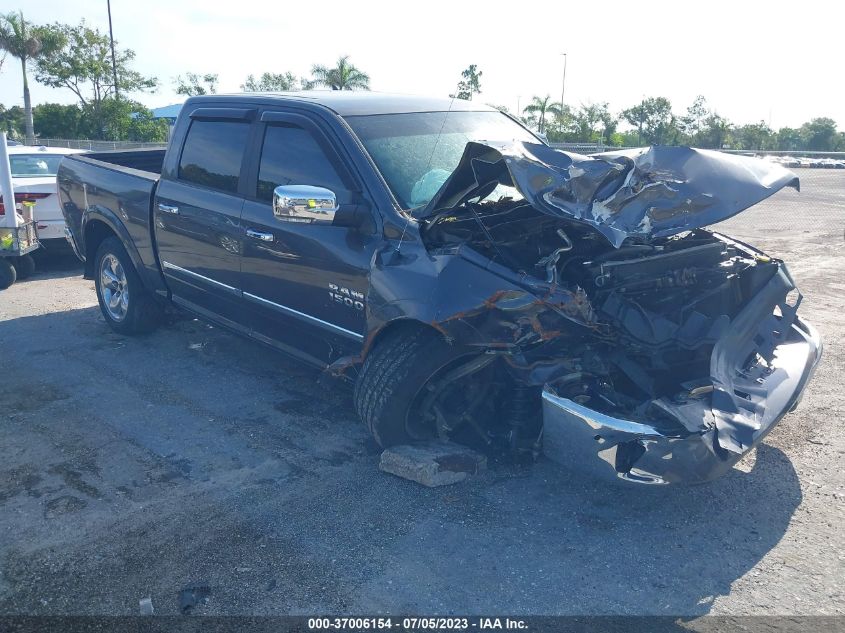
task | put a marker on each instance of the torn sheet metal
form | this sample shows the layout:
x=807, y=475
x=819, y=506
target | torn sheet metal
x=664, y=361
x=641, y=194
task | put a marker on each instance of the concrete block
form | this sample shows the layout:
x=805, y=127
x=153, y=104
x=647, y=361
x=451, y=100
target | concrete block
x=432, y=464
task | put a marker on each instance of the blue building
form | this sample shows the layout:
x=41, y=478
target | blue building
x=169, y=112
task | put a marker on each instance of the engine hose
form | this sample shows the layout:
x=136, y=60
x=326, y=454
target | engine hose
x=621, y=253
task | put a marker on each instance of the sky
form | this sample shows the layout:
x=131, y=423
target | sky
x=773, y=61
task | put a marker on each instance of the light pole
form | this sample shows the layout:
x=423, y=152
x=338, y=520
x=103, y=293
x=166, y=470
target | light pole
x=640, y=126
x=113, y=64
x=563, y=84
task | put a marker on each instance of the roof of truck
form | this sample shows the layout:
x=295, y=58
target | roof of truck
x=351, y=103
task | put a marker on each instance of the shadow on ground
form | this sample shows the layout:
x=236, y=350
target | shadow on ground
x=55, y=263
x=132, y=467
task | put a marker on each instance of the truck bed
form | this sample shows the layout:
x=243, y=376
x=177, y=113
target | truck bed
x=149, y=160
x=117, y=190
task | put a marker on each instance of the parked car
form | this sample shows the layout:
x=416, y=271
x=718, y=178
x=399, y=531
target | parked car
x=34, y=178
x=475, y=283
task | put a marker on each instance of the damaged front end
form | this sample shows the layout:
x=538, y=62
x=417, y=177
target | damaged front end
x=758, y=368
x=636, y=344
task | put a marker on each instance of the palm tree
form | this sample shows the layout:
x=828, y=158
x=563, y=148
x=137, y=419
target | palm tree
x=540, y=107
x=25, y=42
x=344, y=76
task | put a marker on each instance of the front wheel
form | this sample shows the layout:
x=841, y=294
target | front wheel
x=126, y=305
x=415, y=386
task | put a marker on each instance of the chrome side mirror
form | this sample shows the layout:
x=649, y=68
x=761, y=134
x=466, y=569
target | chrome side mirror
x=304, y=203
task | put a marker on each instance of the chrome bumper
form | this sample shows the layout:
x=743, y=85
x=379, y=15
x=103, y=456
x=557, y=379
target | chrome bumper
x=715, y=431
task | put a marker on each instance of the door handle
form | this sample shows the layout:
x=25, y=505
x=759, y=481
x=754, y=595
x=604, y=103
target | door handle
x=166, y=208
x=260, y=235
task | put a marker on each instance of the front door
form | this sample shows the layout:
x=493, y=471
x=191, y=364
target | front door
x=305, y=283
x=197, y=218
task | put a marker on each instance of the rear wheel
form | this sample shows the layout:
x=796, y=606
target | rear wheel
x=8, y=274
x=25, y=266
x=126, y=305
x=415, y=386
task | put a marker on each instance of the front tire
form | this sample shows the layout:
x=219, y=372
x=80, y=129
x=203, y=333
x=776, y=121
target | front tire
x=126, y=305
x=400, y=373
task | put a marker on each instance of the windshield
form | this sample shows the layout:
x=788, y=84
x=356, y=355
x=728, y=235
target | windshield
x=411, y=157
x=34, y=165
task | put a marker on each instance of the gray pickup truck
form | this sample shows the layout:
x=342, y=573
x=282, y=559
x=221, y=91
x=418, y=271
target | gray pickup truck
x=473, y=282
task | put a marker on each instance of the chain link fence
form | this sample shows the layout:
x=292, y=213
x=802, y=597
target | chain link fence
x=807, y=158
x=94, y=145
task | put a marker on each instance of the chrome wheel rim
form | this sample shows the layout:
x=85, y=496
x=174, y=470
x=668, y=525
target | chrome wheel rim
x=114, y=287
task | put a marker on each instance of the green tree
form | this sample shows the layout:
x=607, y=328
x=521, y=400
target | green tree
x=271, y=82
x=788, y=138
x=627, y=138
x=55, y=120
x=344, y=76
x=819, y=134
x=653, y=120
x=12, y=121
x=593, y=123
x=144, y=128
x=693, y=122
x=561, y=127
x=540, y=109
x=715, y=132
x=470, y=83
x=194, y=84
x=122, y=120
x=26, y=43
x=754, y=136
x=83, y=65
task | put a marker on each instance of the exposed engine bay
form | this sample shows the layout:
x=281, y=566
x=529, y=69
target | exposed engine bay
x=594, y=316
x=655, y=308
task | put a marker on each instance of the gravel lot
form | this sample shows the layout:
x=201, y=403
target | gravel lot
x=133, y=467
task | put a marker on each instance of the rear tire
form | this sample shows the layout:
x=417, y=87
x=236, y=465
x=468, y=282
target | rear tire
x=126, y=305
x=25, y=266
x=8, y=274
x=394, y=374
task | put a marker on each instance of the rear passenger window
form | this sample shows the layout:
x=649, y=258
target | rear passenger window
x=213, y=154
x=291, y=155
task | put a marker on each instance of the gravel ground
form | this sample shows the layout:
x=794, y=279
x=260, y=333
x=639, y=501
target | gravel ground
x=133, y=467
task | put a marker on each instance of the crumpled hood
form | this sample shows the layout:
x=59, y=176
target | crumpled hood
x=641, y=193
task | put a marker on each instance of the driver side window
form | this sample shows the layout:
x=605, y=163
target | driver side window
x=290, y=155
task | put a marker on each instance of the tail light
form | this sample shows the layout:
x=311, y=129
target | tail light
x=22, y=197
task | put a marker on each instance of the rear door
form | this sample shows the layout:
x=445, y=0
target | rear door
x=305, y=284
x=197, y=215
